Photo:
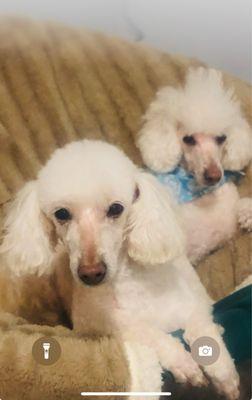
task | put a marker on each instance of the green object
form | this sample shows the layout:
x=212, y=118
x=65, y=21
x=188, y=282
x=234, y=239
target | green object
x=233, y=313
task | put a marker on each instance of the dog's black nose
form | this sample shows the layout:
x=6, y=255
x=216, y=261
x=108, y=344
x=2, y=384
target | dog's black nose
x=212, y=177
x=92, y=274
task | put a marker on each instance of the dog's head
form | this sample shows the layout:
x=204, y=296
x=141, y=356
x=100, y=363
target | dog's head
x=200, y=125
x=91, y=199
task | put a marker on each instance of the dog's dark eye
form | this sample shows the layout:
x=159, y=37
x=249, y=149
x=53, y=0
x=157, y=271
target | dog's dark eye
x=115, y=210
x=189, y=139
x=221, y=139
x=63, y=214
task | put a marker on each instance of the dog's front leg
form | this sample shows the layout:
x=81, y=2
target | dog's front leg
x=171, y=353
x=245, y=213
x=222, y=372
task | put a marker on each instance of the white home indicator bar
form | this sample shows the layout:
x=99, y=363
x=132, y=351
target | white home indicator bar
x=146, y=394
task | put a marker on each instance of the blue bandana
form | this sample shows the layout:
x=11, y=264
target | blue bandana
x=184, y=186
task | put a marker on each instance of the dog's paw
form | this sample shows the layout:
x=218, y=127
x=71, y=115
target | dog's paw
x=245, y=214
x=226, y=379
x=185, y=369
x=229, y=387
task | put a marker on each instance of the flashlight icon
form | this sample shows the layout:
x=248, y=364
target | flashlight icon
x=46, y=347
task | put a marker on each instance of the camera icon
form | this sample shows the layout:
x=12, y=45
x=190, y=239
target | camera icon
x=205, y=351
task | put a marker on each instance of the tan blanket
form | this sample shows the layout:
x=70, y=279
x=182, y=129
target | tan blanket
x=59, y=84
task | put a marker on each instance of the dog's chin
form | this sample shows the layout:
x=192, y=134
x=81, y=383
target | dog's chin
x=201, y=184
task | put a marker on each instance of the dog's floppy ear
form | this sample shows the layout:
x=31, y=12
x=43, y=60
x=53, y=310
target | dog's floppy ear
x=238, y=148
x=153, y=235
x=26, y=247
x=158, y=140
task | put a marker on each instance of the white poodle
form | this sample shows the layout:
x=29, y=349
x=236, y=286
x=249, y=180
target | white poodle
x=201, y=127
x=126, y=254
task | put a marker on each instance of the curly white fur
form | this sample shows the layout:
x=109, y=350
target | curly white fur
x=150, y=288
x=205, y=110
x=25, y=244
x=202, y=105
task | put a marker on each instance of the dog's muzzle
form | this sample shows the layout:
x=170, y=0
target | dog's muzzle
x=212, y=175
x=92, y=275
